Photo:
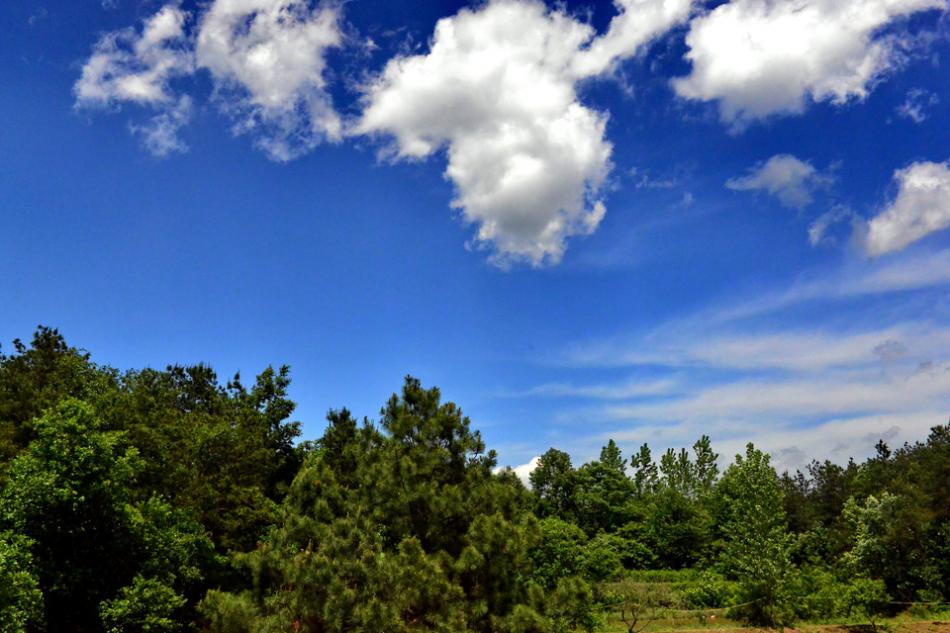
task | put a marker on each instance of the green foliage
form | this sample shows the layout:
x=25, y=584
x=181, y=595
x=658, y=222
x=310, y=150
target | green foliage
x=603, y=494
x=553, y=482
x=71, y=493
x=559, y=552
x=571, y=607
x=603, y=557
x=676, y=529
x=394, y=529
x=37, y=377
x=709, y=591
x=20, y=598
x=757, y=546
x=145, y=606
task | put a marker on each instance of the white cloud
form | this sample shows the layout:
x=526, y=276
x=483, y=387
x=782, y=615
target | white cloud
x=818, y=230
x=631, y=389
x=922, y=207
x=783, y=390
x=756, y=401
x=498, y=90
x=789, y=179
x=268, y=60
x=917, y=104
x=636, y=23
x=789, y=350
x=643, y=180
x=764, y=57
x=524, y=470
x=160, y=134
x=137, y=67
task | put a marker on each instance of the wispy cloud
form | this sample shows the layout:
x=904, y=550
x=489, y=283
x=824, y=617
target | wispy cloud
x=790, y=179
x=738, y=371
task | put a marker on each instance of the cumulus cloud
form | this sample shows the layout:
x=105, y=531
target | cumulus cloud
x=524, y=470
x=137, y=66
x=789, y=179
x=127, y=66
x=921, y=207
x=764, y=57
x=268, y=58
x=497, y=89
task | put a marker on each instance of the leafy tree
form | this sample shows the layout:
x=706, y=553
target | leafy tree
x=553, y=482
x=146, y=606
x=603, y=495
x=676, y=529
x=612, y=458
x=559, y=552
x=603, y=557
x=678, y=472
x=36, y=377
x=70, y=493
x=757, y=545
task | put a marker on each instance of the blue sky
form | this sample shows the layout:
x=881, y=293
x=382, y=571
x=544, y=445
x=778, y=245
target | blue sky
x=645, y=219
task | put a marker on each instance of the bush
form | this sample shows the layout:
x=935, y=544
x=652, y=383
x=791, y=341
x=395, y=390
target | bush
x=710, y=591
x=602, y=557
x=558, y=553
x=146, y=606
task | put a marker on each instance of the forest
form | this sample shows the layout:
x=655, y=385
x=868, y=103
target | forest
x=161, y=501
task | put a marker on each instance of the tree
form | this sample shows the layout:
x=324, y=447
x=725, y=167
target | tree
x=706, y=468
x=676, y=529
x=757, y=545
x=645, y=476
x=603, y=494
x=678, y=472
x=71, y=494
x=612, y=458
x=391, y=529
x=553, y=483
x=558, y=552
x=35, y=378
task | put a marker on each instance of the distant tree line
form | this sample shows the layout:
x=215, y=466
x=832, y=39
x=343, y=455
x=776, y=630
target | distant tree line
x=161, y=501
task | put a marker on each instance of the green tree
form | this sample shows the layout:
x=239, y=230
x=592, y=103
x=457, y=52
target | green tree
x=553, y=482
x=604, y=496
x=71, y=493
x=645, y=474
x=36, y=377
x=757, y=546
x=706, y=467
x=405, y=527
x=558, y=552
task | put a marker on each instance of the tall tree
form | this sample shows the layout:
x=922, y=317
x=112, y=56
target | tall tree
x=757, y=549
x=645, y=474
x=400, y=528
x=553, y=482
